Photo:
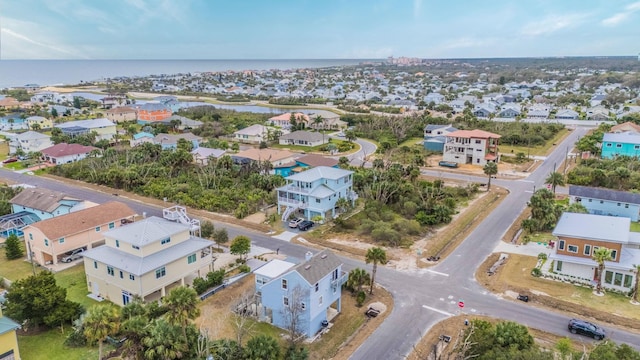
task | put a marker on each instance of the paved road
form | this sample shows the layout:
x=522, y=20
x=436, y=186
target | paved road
x=421, y=299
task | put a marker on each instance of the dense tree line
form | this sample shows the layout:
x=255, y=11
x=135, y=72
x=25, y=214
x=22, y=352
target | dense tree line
x=620, y=173
x=219, y=122
x=220, y=186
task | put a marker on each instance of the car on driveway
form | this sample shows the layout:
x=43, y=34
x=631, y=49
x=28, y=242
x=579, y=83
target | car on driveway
x=69, y=256
x=582, y=327
x=305, y=225
x=295, y=222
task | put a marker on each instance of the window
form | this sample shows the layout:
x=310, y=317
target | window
x=559, y=266
x=590, y=200
x=317, y=287
x=131, y=277
x=191, y=259
x=626, y=206
x=97, y=228
x=628, y=279
x=478, y=141
x=320, y=300
x=617, y=280
x=618, y=145
x=317, y=200
x=561, y=245
x=587, y=250
x=112, y=225
x=135, y=247
x=95, y=264
x=121, y=275
x=303, y=306
x=284, y=284
x=46, y=242
x=165, y=241
x=61, y=240
x=161, y=272
x=285, y=301
x=614, y=254
x=30, y=236
x=578, y=199
x=572, y=248
x=117, y=243
x=601, y=201
x=608, y=277
x=110, y=270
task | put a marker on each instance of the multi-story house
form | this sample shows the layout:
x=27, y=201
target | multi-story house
x=579, y=235
x=103, y=127
x=121, y=114
x=310, y=291
x=45, y=203
x=8, y=339
x=30, y=141
x=147, y=259
x=435, y=136
x=471, y=147
x=626, y=143
x=253, y=134
x=152, y=112
x=315, y=192
x=50, y=239
x=601, y=201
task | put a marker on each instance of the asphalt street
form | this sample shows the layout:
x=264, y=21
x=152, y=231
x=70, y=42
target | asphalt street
x=424, y=298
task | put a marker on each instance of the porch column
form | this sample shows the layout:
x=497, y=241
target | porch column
x=339, y=304
x=182, y=281
x=163, y=291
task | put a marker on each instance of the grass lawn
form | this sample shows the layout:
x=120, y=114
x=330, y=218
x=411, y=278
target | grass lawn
x=412, y=142
x=541, y=237
x=635, y=226
x=75, y=281
x=15, y=269
x=18, y=165
x=535, y=150
x=49, y=345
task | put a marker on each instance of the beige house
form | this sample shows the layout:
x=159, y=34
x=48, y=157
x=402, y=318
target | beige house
x=275, y=157
x=121, y=114
x=253, y=134
x=147, y=259
x=50, y=239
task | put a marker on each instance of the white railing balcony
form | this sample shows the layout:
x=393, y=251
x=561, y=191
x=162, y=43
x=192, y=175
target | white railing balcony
x=292, y=202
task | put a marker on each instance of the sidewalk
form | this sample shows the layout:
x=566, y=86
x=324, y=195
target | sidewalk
x=531, y=249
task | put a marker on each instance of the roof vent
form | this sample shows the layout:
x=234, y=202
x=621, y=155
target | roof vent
x=324, y=256
x=307, y=267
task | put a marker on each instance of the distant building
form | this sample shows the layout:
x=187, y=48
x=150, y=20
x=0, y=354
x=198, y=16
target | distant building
x=121, y=114
x=471, y=147
x=435, y=136
x=66, y=153
x=152, y=112
x=626, y=143
x=103, y=127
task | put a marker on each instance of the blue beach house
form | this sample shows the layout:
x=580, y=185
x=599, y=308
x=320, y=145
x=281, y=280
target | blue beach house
x=309, y=292
x=600, y=201
x=315, y=192
x=626, y=143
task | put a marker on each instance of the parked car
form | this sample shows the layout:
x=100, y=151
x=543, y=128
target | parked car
x=305, y=225
x=295, y=222
x=586, y=328
x=10, y=160
x=69, y=256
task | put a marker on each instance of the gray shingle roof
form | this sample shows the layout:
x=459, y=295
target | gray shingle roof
x=88, y=124
x=320, y=172
x=147, y=231
x=141, y=265
x=40, y=199
x=604, y=194
x=303, y=135
x=319, y=266
x=593, y=227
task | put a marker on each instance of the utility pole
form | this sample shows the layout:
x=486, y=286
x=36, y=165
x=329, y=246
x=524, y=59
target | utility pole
x=566, y=160
x=33, y=266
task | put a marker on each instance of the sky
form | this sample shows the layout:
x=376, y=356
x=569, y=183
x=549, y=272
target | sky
x=316, y=29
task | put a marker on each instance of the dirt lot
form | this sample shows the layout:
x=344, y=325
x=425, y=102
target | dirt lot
x=514, y=277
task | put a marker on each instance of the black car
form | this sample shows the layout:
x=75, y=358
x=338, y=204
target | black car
x=586, y=328
x=305, y=225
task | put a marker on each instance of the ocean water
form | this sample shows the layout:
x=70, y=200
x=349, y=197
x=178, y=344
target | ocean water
x=66, y=72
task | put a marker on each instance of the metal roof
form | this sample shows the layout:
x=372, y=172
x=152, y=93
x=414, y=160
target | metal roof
x=89, y=124
x=321, y=192
x=274, y=268
x=147, y=231
x=320, y=172
x=7, y=325
x=604, y=194
x=141, y=265
x=593, y=227
x=625, y=137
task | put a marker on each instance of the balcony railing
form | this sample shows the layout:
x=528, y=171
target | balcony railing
x=291, y=202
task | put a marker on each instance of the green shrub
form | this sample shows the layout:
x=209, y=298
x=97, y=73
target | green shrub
x=360, y=298
x=244, y=268
x=536, y=272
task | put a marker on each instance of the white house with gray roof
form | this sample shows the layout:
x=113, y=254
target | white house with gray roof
x=315, y=192
x=303, y=138
x=579, y=235
x=601, y=201
x=30, y=141
x=147, y=259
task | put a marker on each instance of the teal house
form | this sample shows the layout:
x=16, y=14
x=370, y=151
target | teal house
x=620, y=144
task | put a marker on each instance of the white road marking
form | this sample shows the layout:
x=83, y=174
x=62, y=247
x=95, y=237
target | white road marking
x=437, y=272
x=450, y=297
x=441, y=299
x=529, y=181
x=437, y=310
x=473, y=310
x=530, y=192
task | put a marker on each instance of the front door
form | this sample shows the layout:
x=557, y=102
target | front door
x=95, y=288
x=126, y=297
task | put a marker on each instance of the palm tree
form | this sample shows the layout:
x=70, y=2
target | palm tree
x=490, y=169
x=601, y=255
x=357, y=278
x=375, y=255
x=636, y=269
x=555, y=179
x=182, y=305
x=100, y=322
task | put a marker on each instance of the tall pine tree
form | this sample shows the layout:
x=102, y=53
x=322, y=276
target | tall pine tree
x=13, y=248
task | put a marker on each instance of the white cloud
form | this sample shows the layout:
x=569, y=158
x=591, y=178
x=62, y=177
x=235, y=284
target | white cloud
x=620, y=17
x=552, y=24
x=24, y=40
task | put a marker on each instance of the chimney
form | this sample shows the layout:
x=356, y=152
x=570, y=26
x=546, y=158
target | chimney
x=308, y=256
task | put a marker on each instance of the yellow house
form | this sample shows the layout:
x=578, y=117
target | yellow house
x=8, y=339
x=146, y=259
x=42, y=122
x=50, y=239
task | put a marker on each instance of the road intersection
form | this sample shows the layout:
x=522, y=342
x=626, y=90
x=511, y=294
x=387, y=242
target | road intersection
x=425, y=297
